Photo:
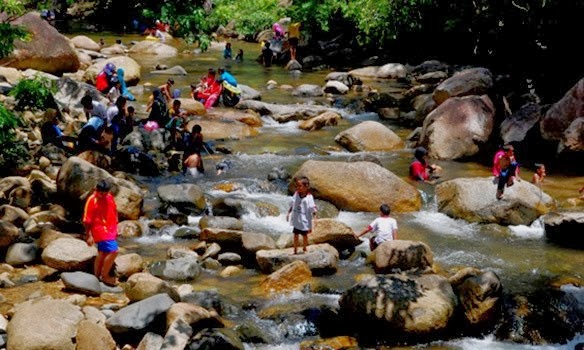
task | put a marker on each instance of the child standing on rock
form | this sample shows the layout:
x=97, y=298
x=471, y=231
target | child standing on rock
x=100, y=219
x=302, y=212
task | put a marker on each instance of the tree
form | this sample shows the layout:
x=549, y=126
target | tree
x=9, y=11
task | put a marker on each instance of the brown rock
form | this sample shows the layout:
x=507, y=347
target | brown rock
x=293, y=276
x=562, y=113
x=91, y=336
x=336, y=343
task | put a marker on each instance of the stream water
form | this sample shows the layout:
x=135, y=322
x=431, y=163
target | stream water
x=519, y=255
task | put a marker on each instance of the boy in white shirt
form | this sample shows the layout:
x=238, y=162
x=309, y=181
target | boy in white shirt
x=302, y=212
x=384, y=226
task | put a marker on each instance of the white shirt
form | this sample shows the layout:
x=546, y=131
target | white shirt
x=302, y=210
x=98, y=110
x=113, y=94
x=112, y=111
x=384, y=227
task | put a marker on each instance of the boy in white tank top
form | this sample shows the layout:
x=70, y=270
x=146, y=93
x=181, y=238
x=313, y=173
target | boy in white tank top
x=384, y=226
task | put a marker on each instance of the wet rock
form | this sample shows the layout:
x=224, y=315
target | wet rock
x=177, y=335
x=307, y=90
x=176, y=70
x=335, y=87
x=131, y=70
x=283, y=113
x=248, y=242
x=320, y=121
x=423, y=105
x=343, y=77
x=151, y=341
x=407, y=305
x=180, y=269
x=220, y=223
x=81, y=282
x=129, y=264
x=572, y=143
x=8, y=234
x=480, y=298
x=187, y=198
x=114, y=50
x=565, y=227
x=91, y=336
x=143, y=285
x=430, y=66
x=278, y=173
x=472, y=81
x=54, y=322
x=369, y=136
x=321, y=258
x=473, y=199
x=68, y=254
x=336, y=343
x=516, y=127
x=135, y=319
x=249, y=93
x=432, y=77
x=192, y=314
x=216, y=130
x=293, y=65
x=334, y=233
x=458, y=127
x=21, y=253
x=369, y=184
x=230, y=271
x=84, y=42
x=402, y=256
x=78, y=178
x=290, y=277
x=562, y=113
x=132, y=229
x=216, y=338
x=153, y=48
x=192, y=107
x=229, y=259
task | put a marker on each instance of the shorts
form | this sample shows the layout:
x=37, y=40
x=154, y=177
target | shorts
x=293, y=42
x=299, y=232
x=110, y=246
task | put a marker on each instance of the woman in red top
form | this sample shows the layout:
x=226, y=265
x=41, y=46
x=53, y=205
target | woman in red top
x=100, y=219
x=420, y=170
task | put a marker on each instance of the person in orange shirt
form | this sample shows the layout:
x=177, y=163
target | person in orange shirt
x=100, y=219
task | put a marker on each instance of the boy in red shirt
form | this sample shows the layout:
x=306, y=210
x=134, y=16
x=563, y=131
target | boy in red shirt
x=100, y=219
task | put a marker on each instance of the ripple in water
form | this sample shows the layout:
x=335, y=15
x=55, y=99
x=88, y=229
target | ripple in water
x=444, y=225
x=534, y=231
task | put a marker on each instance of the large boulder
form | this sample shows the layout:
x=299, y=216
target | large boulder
x=401, y=305
x=402, y=256
x=515, y=128
x=131, y=69
x=84, y=42
x=387, y=71
x=293, y=276
x=474, y=200
x=283, y=113
x=153, y=48
x=472, y=81
x=46, y=51
x=565, y=227
x=480, y=295
x=54, y=323
x=562, y=113
x=458, y=127
x=68, y=254
x=70, y=93
x=573, y=139
x=187, y=198
x=334, y=233
x=320, y=121
x=78, y=178
x=320, y=258
x=249, y=242
x=369, y=136
x=192, y=107
x=143, y=285
x=134, y=320
x=359, y=186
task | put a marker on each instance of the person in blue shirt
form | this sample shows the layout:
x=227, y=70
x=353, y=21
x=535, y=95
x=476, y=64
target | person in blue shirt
x=227, y=54
x=227, y=77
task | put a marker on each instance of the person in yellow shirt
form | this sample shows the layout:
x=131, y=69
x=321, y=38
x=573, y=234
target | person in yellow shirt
x=293, y=38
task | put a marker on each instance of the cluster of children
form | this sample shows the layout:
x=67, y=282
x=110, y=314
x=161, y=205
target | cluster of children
x=228, y=53
x=214, y=85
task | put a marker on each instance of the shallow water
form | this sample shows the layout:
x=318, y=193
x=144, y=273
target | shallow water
x=519, y=255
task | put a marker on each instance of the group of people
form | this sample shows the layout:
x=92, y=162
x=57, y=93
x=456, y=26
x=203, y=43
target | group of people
x=228, y=53
x=110, y=81
x=214, y=85
x=278, y=41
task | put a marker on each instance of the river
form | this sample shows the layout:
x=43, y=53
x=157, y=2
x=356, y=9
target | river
x=519, y=255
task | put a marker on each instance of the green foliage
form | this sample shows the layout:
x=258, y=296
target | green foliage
x=12, y=152
x=187, y=20
x=250, y=16
x=315, y=16
x=35, y=93
x=9, y=32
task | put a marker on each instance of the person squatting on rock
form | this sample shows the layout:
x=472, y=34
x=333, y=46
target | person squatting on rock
x=100, y=219
x=505, y=169
x=192, y=161
x=384, y=227
x=302, y=212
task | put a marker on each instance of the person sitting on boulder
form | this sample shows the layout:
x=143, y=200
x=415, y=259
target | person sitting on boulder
x=115, y=91
x=52, y=134
x=175, y=124
x=89, y=138
x=420, y=170
x=104, y=78
x=505, y=169
x=210, y=96
x=93, y=108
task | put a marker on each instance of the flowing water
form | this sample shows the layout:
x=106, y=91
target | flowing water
x=520, y=255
